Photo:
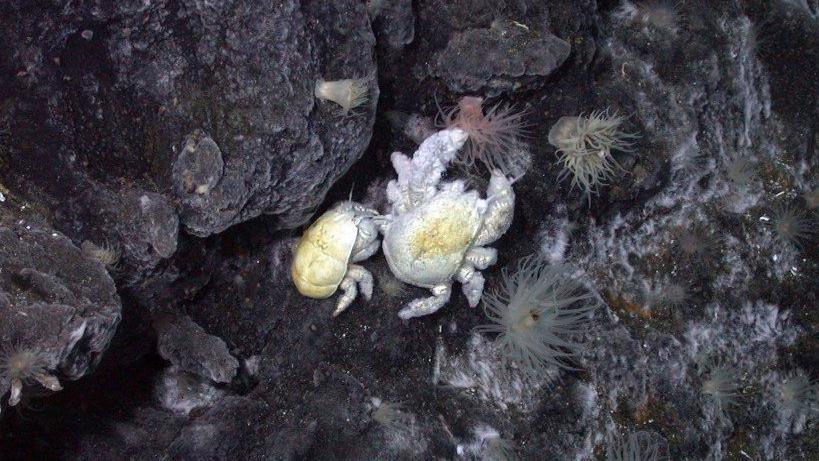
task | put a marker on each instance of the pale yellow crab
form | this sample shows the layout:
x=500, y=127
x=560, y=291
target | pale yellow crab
x=437, y=232
x=324, y=257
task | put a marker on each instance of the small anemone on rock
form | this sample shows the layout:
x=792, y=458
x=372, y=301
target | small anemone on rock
x=389, y=415
x=106, y=254
x=792, y=225
x=537, y=312
x=494, y=135
x=22, y=366
x=662, y=15
x=584, y=145
x=798, y=399
x=723, y=388
x=811, y=197
x=669, y=294
x=696, y=241
x=347, y=93
x=739, y=170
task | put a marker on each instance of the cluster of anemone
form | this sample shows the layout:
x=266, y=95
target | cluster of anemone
x=637, y=446
x=585, y=144
x=538, y=312
x=495, y=135
x=21, y=366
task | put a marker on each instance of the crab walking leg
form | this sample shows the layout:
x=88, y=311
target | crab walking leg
x=482, y=257
x=425, y=306
x=356, y=275
x=500, y=211
x=471, y=283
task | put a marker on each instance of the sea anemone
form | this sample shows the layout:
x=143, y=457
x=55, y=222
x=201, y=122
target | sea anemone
x=739, y=170
x=584, y=145
x=638, y=446
x=696, y=241
x=537, y=311
x=798, y=399
x=663, y=15
x=347, y=93
x=23, y=366
x=723, y=388
x=105, y=254
x=499, y=449
x=488, y=444
x=389, y=415
x=792, y=225
x=494, y=135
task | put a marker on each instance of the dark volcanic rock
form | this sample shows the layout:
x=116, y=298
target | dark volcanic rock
x=393, y=21
x=58, y=310
x=505, y=57
x=111, y=97
x=189, y=347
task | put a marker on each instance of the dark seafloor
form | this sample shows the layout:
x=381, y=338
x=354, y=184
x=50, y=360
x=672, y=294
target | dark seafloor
x=192, y=344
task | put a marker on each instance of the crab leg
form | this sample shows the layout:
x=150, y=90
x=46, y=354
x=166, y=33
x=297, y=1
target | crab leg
x=471, y=283
x=356, y=277
x=482, y=257
x=425, y=306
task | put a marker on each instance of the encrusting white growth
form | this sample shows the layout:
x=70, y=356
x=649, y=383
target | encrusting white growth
x=347, y=93
x=637, y=446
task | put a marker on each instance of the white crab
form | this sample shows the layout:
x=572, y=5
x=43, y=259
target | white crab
x=437, y=232
x=324, y=257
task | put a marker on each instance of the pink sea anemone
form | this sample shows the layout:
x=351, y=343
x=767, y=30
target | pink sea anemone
x=494, y=135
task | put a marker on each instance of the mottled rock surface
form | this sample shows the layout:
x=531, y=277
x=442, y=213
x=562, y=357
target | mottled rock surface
x=206, y=108
x=506, y=56
x=56, y=306
x=185, y=344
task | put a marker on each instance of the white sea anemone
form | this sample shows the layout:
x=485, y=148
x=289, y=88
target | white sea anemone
x=538, y=311
x=347, y=93
x=584, y=146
